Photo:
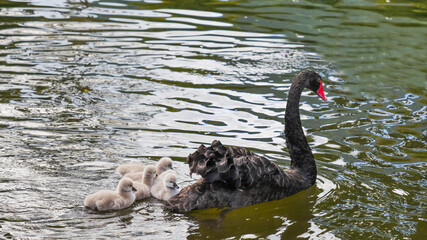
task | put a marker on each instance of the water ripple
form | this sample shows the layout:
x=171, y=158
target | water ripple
x=88, y=85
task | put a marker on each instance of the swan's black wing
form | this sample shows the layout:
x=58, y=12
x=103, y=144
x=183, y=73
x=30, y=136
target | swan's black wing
x=235, y=166
x=232, y=177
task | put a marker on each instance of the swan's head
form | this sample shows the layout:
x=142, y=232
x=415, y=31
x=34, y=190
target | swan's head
x=169, y=181
x=313, y=82
x=150, y=172
x=164, y=164
x=126, y=185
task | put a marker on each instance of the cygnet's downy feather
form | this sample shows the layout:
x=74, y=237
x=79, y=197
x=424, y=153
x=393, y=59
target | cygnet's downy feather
x=134, y=170
x=143, y=186
x=165, y=186
x=104, y=200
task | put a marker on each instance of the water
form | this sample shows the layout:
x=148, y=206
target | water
x=88, y=85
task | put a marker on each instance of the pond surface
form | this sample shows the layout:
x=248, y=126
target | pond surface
x=88, y=85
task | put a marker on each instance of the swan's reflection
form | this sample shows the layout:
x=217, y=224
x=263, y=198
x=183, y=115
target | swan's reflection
x=285, y=218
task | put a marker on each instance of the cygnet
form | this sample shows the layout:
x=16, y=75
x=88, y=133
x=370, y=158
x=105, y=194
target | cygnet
x=104, y=200
x=134, y=170
x=164, y=186
x=138, y=176
x=143, y=186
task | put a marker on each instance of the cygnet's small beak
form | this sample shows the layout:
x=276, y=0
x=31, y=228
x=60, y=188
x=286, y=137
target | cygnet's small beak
x=134, y=189
x=175, y=186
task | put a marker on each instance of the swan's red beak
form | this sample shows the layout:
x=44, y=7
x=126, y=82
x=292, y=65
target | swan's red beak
x=320, y=92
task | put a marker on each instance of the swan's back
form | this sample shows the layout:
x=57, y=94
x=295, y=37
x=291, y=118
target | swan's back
x=232, y=177
x=235, y=166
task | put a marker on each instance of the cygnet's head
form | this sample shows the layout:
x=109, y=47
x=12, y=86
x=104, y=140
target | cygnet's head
x=149, y=172
x=164, y=164
x=169, y=181
x=125, y=185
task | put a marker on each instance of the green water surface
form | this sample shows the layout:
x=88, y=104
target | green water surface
x=88, y=85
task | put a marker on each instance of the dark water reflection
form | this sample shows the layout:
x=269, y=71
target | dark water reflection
x=286, y=218
x=88, y=85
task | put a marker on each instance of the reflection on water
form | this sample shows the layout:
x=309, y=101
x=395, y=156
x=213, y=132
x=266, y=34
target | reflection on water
x=290, y=218
x=285, y=218
x=88, y=85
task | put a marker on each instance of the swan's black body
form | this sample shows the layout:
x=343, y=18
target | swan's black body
x=235, y=177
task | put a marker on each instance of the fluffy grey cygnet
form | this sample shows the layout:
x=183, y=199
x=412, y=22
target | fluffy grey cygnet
x=143, y=186
x=165, y=163
x=164, y=186
x=104, y=200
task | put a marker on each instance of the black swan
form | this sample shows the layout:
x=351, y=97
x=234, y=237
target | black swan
x=236, y=177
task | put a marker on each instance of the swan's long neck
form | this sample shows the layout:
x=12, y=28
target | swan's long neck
x=301, y=155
